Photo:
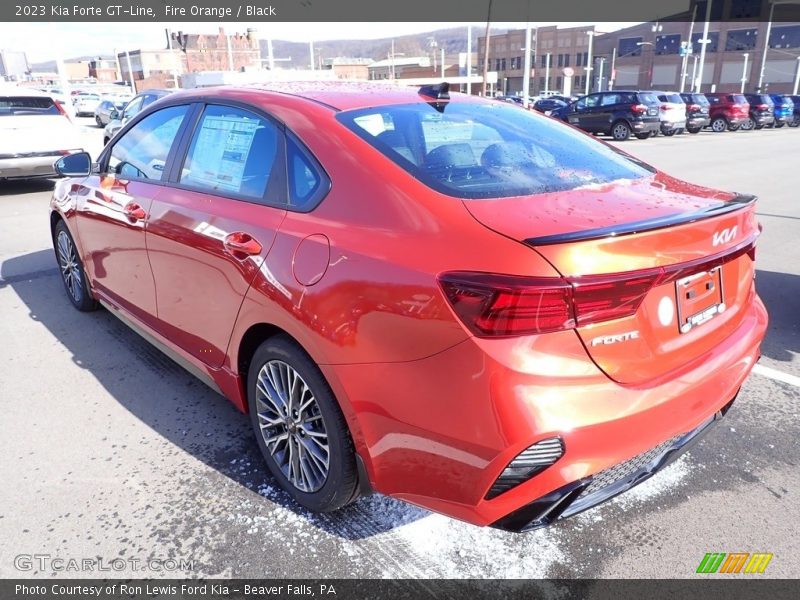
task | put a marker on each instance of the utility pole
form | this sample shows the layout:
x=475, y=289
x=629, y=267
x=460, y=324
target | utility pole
x=766, y=48
x=613, y=74
x=589, y=64
x=796, y=78
x=744, y=72
x=469, y=59
x=547, y=73
x=703, y=43
x=130, y=72
x=486, y=48
x=687, y=50
x=526, y=77
x=230, y=52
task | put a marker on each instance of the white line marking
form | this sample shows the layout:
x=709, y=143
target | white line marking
x=777, y=375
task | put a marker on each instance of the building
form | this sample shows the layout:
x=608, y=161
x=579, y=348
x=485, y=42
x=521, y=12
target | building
x=650, y=55
x=13, y=65
x=103, y=70
x=190, y=53
x=348, y=68
x=415, y=67
x=553, y=50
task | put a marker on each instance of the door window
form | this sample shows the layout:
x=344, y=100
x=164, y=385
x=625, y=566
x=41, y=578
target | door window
x=141, y=153
x=609, y=99
x=233, y=151
x=132, y=108
x=592, y=101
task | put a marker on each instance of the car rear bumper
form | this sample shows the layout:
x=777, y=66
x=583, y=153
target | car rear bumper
x=673, y=125
x=699, y=121
x=438, y=432
x=28, y=166
x=763, y=119
x=645, y=126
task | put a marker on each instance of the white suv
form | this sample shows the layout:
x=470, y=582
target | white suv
x=672, y=113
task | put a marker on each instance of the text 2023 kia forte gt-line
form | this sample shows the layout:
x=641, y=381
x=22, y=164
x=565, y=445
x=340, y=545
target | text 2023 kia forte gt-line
x=470, y=307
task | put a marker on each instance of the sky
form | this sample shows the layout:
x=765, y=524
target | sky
x=44, y=41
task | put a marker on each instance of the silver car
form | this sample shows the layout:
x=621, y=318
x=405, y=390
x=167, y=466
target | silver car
x=139, y=102
x=107, y=107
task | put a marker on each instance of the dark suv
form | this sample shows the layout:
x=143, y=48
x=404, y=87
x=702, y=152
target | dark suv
x=727, y=111
x=784, y=109
x=697, y=115
x=617, y=113
x=762, y=112
x=795, y=122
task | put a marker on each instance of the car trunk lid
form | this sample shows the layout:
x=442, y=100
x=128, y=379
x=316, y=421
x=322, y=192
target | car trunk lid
x=676, y=252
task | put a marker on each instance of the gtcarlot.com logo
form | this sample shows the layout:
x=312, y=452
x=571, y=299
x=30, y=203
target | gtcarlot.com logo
x=734, y=562
x=48, y=563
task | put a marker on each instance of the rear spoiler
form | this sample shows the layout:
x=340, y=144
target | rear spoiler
x=736, y=203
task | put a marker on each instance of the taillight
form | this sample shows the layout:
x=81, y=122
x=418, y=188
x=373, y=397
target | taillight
x=501, y=305
x=493, y=305
x=694, y=107
x=762, y=106
x=639, y=108
x=61, y=110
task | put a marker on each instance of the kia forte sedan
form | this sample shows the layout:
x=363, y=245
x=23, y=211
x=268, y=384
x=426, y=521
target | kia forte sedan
x=445, y=299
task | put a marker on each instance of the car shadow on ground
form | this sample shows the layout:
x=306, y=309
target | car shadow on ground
x=172, y=402
x=781, y=295
x=13, y=187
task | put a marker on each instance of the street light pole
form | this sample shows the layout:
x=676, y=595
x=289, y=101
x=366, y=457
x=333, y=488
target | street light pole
x=547, y=73
x=744, y=72
x=600, y=74
x=589, y=63
x=526, y=76
x=704, y=42
x=686, y=50
x=766, y=47
x=613, y=74
x=796, y=78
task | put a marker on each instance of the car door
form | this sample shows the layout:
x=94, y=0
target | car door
x=211, y=228
x=113, y=206
x=575, y=111
x=606, y=112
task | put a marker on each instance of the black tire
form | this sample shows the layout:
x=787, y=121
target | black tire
x=70, y=266
x=105, y=141
x=779, y=125
x=340, y=485
x=669, y=133
x=770, y=125
x=693, y=129
x=98, y=121
x=643, y=136
x=620, y=131
x=758, y=126
x=733, y=127
x=719, y=125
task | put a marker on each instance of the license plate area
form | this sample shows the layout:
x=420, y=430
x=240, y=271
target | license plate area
x=699, y=298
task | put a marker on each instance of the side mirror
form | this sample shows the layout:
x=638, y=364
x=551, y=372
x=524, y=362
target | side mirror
x=113, y=114
x=74, y=165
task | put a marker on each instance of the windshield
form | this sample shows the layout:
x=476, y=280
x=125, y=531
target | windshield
x=27, y=105
x=488, y=150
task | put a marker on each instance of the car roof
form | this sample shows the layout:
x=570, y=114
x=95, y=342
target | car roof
x=15, y=90
x=334, y=94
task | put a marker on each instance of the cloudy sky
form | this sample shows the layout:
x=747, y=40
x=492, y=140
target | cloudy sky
x=43, y=41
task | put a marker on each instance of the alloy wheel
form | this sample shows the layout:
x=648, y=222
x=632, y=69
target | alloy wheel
x=719, y=125
x=68, y=261
x=292, y=426
x=621, y=132
x=748, y=124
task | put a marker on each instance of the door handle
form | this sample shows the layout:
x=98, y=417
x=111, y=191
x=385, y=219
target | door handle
x=134, y=212
x=241, y=245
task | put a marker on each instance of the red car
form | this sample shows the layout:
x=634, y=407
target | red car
x=727, y=111
x=473, y=308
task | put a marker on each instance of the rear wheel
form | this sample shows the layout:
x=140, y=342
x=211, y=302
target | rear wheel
x=72, y=274
x=620, y=131
x=669, y=132
x=779, y=125
x=748, y=124
x=795, y=121
x=98, y=121
x=643, y=136
x=693, y=129
x=719, y=125
x=300, y=428
x=733, y=127
x=758, y=126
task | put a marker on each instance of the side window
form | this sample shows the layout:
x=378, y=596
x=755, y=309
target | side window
x=592, y=101
x=233, y=151
x=141, y=153
x=580, y=104
x=148, y=100
x=133, y=107
x=609, y=99
x=307, y=182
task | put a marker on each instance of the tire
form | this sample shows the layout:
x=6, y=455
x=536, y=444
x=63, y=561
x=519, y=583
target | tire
x=105, y=141
x=70, y=265
x=733, y=127
x=643, y=136
x=770, y=125
x=275, y=362
x=98, y=121
x=779, y=125
x=719, y=125
x=748, y=124
x=795, y=121
x=669, y=133
x=758, y=127
x=693, y=129
x=620, y=131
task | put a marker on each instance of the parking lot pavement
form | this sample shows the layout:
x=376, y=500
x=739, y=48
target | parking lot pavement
x=112, y=450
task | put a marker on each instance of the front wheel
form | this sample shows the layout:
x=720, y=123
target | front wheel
x=72, y=273
x=719, y=125
x=621, y=131
x=300, y=428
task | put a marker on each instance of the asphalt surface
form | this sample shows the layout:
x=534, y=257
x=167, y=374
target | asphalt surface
x=111, y=450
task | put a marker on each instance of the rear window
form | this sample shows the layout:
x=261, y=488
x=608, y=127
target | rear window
x=672, y=98
x=23, y=105
x=489, y=150
x=738, y=99
x=700, y=99
x=648, y=99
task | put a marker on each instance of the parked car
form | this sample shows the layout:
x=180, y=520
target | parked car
x=548, y=105
x=671, y=113
x=784, y=109
x=761, y=112
x=796, y=115
x=528, y=323
x=107, y=107
x=727, y=111
x=85, y=103
x=697, y=116
x=618, y=114
x=134, y=107
x=34, y=132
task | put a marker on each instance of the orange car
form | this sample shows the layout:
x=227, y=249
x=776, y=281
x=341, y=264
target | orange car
x=471, y=307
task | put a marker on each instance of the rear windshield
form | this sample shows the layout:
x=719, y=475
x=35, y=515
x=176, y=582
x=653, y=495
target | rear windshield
x=738, y=99
x=488, y=150
x=700, y=99
x=23, y=105
x=648, y=98
x=672, y=98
